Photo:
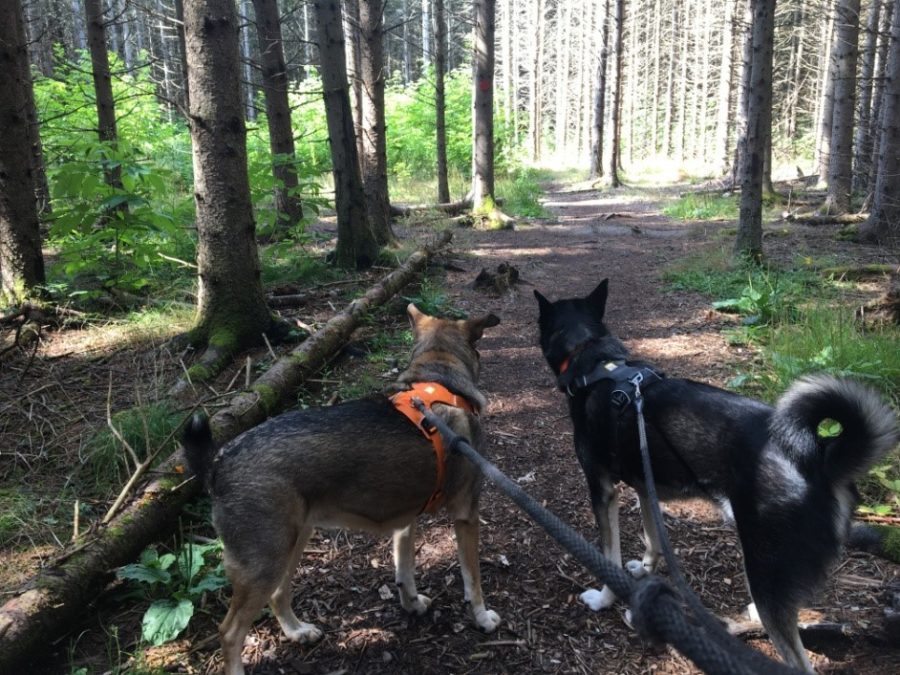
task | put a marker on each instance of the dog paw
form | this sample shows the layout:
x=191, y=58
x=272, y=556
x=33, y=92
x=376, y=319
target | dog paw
x=487, y=620
x=418, y=605
x=637, y=569
x=598, y=600
x=305, y=634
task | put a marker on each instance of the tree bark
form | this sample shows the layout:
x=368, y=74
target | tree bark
x=440, y=123
x=483, y=104
x=352, y=37
x=748, y=242
x=60, y=593
x=247, y=61
x=182, y=49
x=374, y=142
x=600, y=98
x=278, y=113
x=232, y=309
x=21, y=260
x=840, y=176
x=356, y=244
x=617, y=97
x=883, y=225
x=561, y=109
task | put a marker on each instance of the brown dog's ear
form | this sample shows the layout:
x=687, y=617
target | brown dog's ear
x=597, y=298
x=544, y=305
x=476, y=326
x=416, y=317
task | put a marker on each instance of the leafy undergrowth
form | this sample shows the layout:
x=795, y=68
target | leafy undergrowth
x=800, y=322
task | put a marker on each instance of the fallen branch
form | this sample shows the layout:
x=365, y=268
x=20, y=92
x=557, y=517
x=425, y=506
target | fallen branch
x=47, y=606
x=858, y=271
x=836, y=219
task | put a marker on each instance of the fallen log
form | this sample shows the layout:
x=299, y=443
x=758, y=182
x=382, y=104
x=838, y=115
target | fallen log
x=450, y=208
x=57, y=596
x=858, y=271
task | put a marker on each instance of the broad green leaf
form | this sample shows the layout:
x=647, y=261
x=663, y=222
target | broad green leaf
x=165, y=619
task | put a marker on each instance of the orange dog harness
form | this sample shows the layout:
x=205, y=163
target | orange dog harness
x=430, y=393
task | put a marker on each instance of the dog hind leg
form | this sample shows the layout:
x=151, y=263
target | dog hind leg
x=467, y=548
x=248, y=597
x=605, y=504
x=653, y=548
x=294, y=629
x=405, y=563
x=781, y=625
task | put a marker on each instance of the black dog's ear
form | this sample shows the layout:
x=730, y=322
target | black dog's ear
x=544, y=305
x=597, y=298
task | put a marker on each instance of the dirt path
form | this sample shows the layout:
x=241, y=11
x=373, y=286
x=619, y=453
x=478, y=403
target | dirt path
x=527, y=579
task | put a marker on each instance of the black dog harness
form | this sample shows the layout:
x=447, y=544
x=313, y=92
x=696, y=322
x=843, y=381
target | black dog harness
x=627, y=380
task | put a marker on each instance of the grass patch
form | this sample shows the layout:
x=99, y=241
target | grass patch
x=695, y=206
x=434, y=301
x=144, y=428
x=284, y=263
x=521, y=194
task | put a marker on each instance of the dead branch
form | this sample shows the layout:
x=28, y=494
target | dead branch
x=450, y=208
x=858, y=271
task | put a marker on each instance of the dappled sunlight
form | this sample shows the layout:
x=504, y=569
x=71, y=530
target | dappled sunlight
x=596, y=201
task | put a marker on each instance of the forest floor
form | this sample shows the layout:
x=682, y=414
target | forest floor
x=530, y=582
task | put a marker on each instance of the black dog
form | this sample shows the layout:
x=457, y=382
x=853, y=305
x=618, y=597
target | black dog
x=791, y=491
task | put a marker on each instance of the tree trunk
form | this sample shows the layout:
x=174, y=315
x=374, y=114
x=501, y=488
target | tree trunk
x=374, y=143
x=600, y=97
x=881, y=58
x=723, y=105
x=862, y=147
x=617, y=97
x=681, y=128
x=356, y=244
x=840, y=176
x=231, y=309
x=21, y=261
x=106, y=111
x=561, y=109
x=57, y=597
x=744, y=99
x=748, y=242
x=426, y=33
x=182, y=49
x=537, y=45
x=352, y=52
x=883, y=225
x=826, y=119
x=483, y=104
x=440, y=124
x=669, y=119
x=278, y=113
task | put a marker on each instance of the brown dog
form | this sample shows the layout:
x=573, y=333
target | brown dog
x=360, y=464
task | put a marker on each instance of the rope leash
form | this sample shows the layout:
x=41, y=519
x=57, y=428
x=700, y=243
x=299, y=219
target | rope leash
x=657, y=613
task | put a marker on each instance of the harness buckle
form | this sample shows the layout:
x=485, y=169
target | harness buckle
x=620, y=398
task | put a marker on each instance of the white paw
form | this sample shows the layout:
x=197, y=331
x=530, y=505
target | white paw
x=418, y=605
x=753, y=613
x=305, y=634
x=598, y=600
x=487, y=620
x=637, y=569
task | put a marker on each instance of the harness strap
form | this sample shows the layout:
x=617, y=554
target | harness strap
x=430, y=393
x=626, y=377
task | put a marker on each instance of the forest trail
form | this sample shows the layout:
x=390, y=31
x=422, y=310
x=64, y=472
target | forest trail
x=345, y=581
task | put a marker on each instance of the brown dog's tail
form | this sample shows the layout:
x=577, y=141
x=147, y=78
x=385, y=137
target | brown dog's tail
x=199, y=448
x=868, y=426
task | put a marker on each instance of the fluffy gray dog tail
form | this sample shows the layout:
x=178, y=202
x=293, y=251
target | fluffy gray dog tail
x=199, y=448
x=869, y=428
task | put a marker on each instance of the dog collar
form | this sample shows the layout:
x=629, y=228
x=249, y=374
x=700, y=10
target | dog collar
x=430, y=393
x=625, y=377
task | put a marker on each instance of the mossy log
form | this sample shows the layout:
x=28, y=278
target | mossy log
x=47, y=605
